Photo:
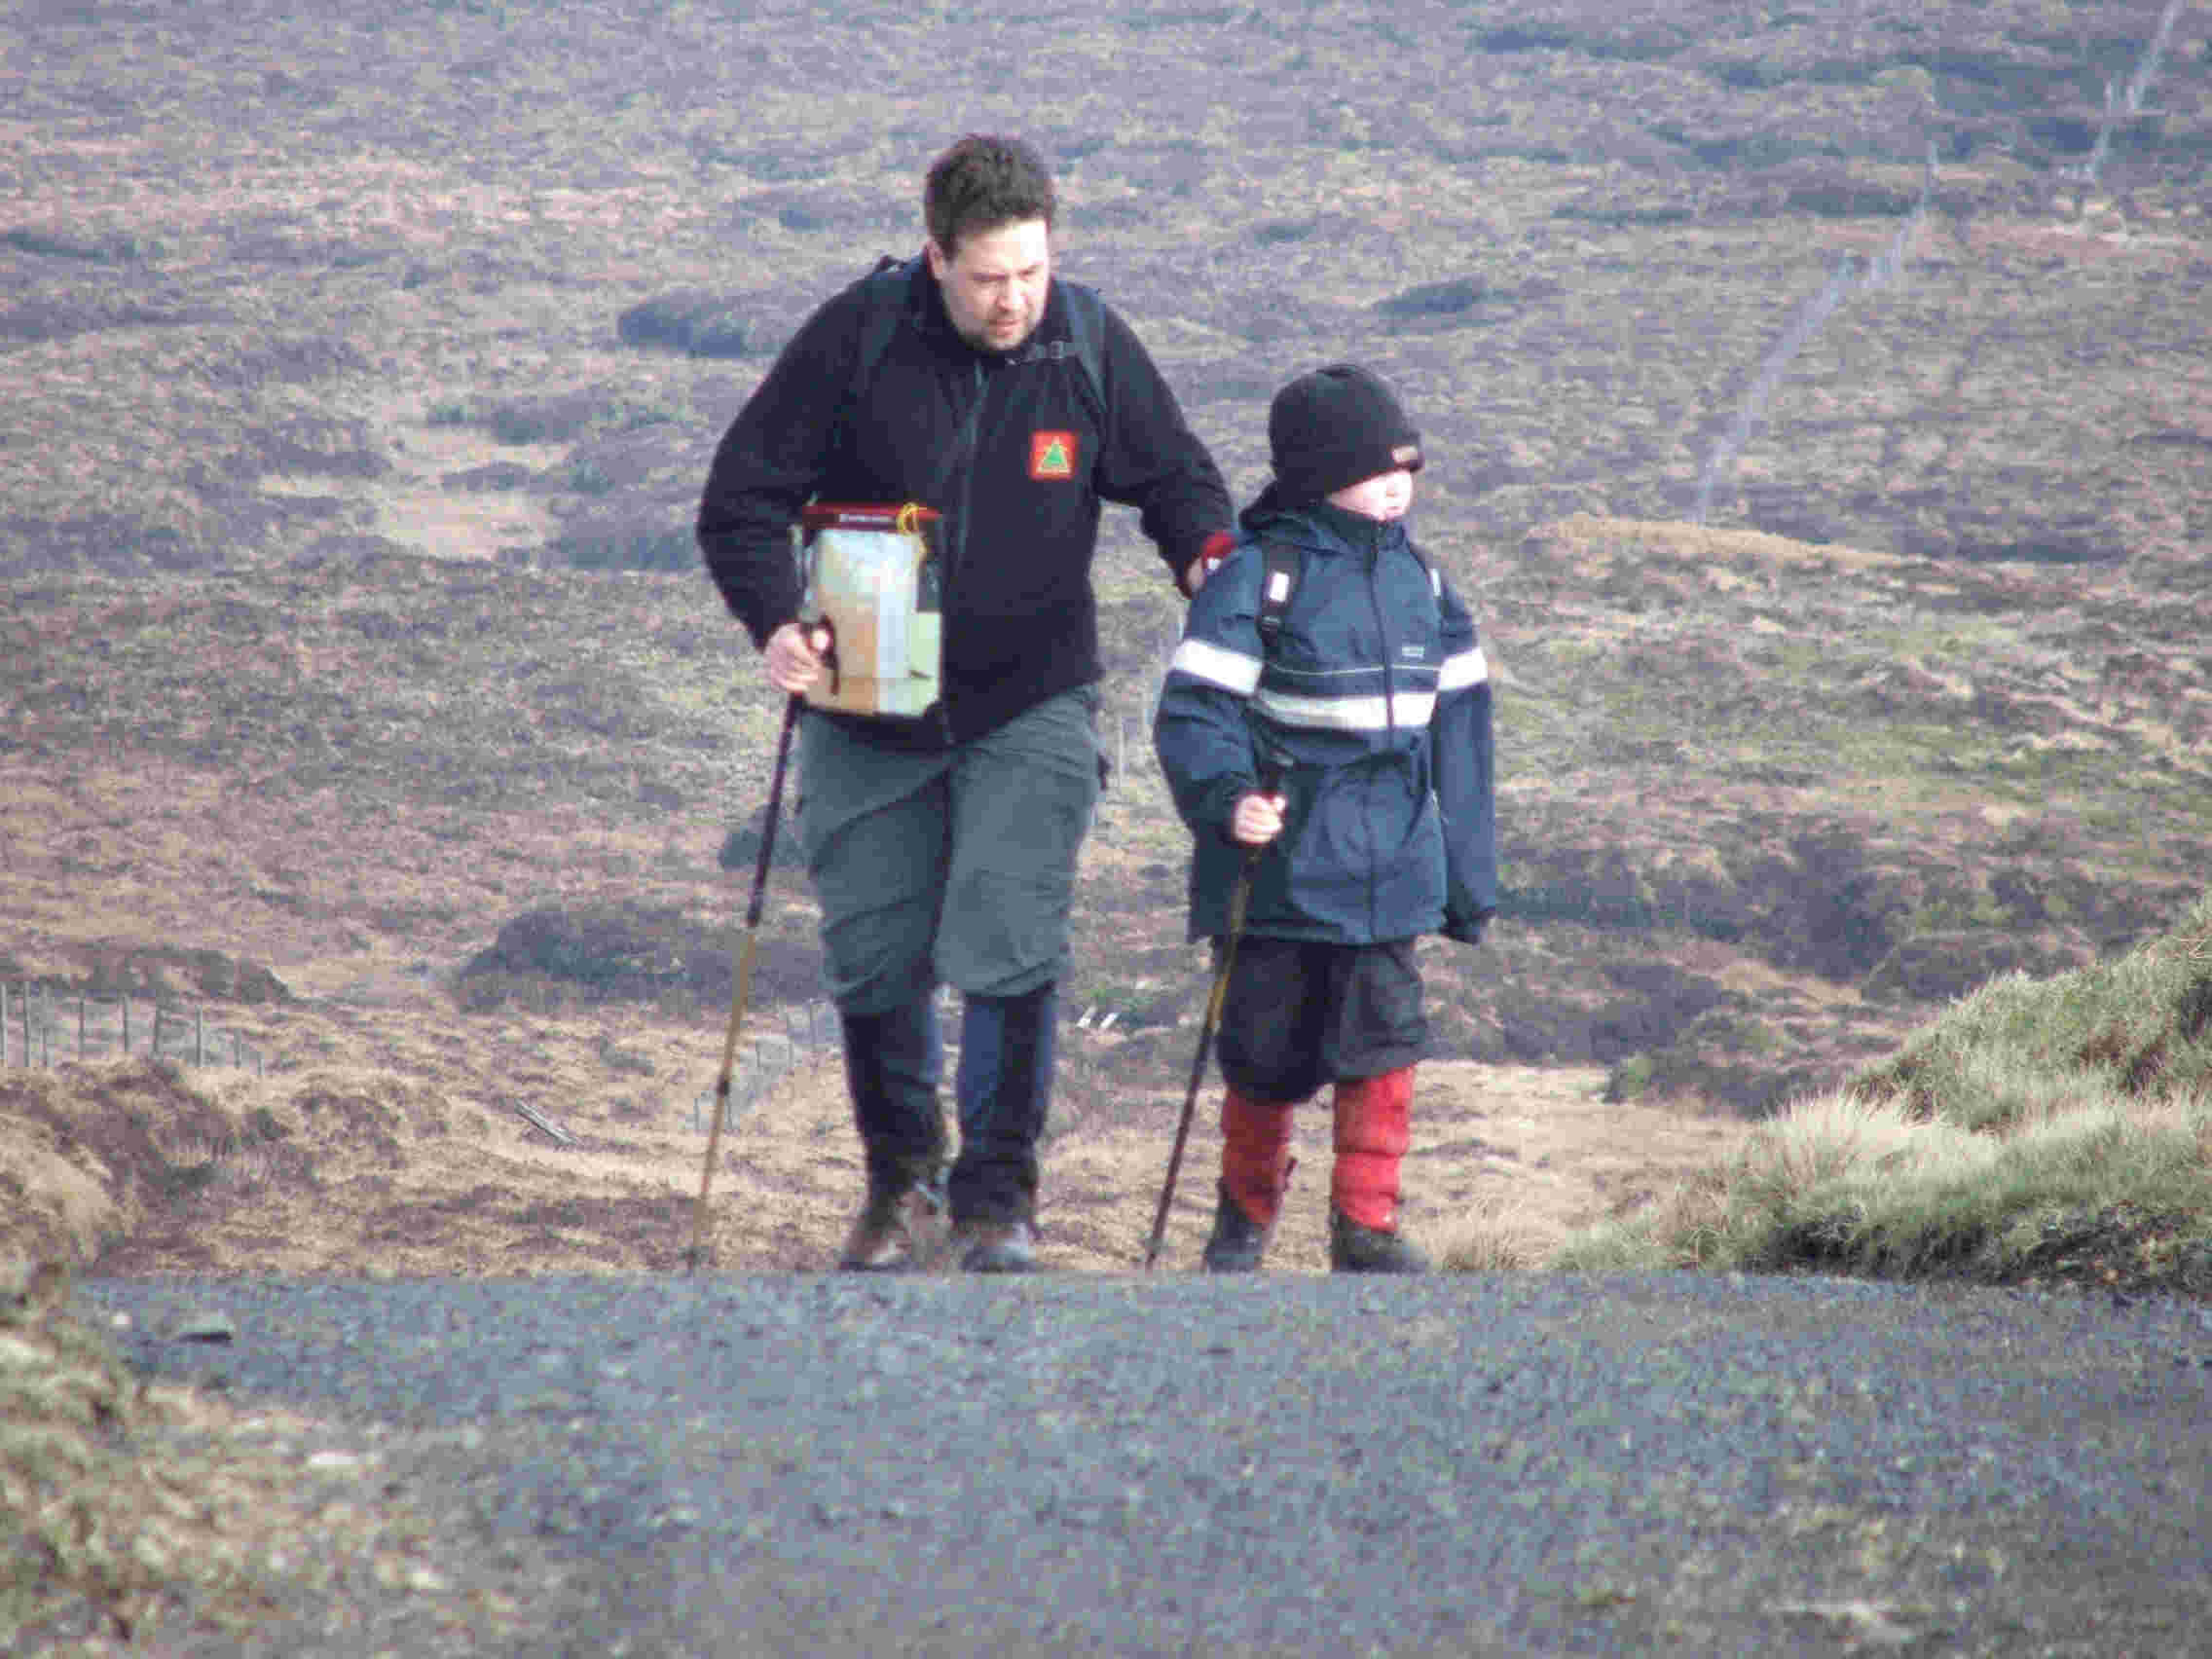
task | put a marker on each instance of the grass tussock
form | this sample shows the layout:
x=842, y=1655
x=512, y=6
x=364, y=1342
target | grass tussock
x=2040, y=1132
x=134, y=1515
x=100, y=1536
x=1494, y=1235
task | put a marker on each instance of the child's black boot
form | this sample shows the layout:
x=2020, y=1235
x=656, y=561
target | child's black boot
x=1357, y=1249
x=1238, y=1240
x=1255, y=1170
x=1373, y=1131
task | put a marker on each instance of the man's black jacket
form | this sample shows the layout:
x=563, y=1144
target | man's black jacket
x=1011, y=448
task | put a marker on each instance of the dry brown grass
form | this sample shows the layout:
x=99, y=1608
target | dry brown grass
x=133, y=1166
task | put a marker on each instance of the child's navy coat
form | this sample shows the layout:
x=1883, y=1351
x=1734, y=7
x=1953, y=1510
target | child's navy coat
x=1375, y=692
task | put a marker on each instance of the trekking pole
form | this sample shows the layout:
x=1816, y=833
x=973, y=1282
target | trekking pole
x=1270, y=781
x=698, y=1254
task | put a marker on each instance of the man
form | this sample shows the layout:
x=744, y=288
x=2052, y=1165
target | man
x=943, y=848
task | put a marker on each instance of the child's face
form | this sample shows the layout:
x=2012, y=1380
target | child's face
x=1385, y=497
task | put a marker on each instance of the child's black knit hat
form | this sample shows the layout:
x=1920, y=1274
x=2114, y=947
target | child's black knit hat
x=1335, y=428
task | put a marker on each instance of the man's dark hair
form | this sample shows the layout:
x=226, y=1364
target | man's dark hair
x=982, y=183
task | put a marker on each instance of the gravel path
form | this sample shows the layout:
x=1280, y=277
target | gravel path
x=1294, y=1464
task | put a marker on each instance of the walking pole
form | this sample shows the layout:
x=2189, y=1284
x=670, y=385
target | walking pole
x=1271, y=782
x=699, y=1255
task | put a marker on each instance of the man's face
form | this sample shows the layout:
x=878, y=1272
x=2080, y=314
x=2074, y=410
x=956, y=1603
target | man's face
x=995, y=285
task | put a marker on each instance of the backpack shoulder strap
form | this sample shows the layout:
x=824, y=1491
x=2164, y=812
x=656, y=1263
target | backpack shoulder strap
x=886, y=289
x=1281, y=567
x=1086, y=339
x=1282, y=564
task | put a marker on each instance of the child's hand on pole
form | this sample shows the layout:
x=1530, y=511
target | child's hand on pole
x=1257, y=821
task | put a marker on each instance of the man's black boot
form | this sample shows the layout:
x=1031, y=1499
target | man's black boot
x=901, y=1225
x=1004, y=1089
x=891, y=1063
x=993, y=1247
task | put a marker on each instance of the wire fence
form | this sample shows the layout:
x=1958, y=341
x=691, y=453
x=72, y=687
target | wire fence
x=2125, y=102
x=1125, y=714
x=1850, y=276
x=801, y=1033
x=42, y=1028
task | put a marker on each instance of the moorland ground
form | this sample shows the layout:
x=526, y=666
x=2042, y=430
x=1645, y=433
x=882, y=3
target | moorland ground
x=362, y=373
x=1819, y=424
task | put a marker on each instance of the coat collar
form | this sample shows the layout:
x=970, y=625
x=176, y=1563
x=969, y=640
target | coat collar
x=1317, y=524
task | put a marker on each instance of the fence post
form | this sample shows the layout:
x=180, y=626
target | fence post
x=198, y=1036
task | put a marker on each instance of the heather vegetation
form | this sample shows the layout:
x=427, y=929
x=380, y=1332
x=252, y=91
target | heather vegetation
x=1818, y=410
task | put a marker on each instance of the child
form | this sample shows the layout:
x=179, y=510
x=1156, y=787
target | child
x=1327, y=652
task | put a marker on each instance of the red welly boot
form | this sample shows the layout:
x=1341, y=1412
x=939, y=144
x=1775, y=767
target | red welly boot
x=1372, y=1136
x=1255, y=1169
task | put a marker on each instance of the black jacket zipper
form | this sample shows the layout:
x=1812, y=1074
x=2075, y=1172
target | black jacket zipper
x=956, y=543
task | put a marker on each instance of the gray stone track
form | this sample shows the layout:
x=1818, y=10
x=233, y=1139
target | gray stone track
x=1116, y=1464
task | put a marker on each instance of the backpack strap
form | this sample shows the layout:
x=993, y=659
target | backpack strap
x=1085, y=343
x=886, y=289
x=1282, y=564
